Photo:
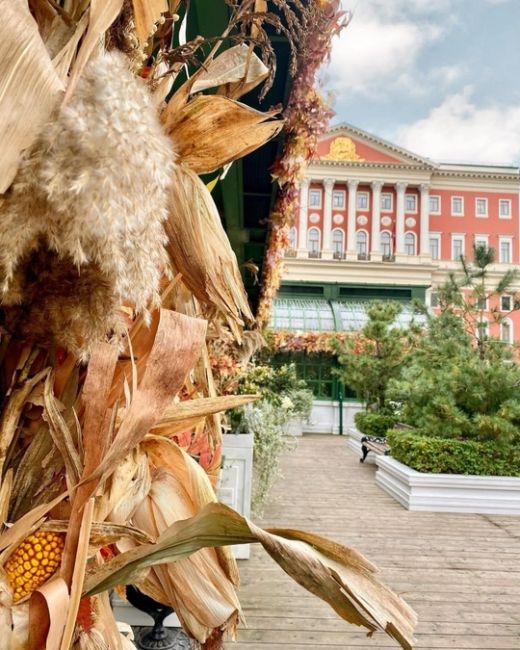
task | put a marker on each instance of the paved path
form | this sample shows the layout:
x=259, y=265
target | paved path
x=460, y=572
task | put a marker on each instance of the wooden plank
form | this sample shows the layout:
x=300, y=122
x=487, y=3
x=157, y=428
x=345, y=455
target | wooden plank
x=460, y=572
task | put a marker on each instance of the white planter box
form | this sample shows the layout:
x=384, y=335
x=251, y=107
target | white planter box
x=494, y=495
x=325, y=416
x=354, y=443
x=295, y=427
x=236, y=479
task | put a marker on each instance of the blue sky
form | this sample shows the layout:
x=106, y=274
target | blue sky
x=439, y=77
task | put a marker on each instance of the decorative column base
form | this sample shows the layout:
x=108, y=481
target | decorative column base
x=352, y=256
x=376, y=257
x=326, y=255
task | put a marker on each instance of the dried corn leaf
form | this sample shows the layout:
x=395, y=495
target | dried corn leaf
x=177, y=416
x=102, y=15
x=211, y=131
x=238, y=70
x=103, y=533
x=47, y=614
x=29, y=85
x=335, y=573
x=199, y=249
x=177, y=346
x=147, y=13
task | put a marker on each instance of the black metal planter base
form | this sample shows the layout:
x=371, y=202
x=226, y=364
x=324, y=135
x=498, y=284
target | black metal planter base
x=163, y=639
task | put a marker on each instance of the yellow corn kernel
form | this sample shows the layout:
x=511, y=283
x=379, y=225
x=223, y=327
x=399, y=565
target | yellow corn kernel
x=28, y=567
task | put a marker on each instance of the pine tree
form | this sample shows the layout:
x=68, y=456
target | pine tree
x=371, y=357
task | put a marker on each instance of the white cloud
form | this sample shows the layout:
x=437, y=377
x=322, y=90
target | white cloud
x=458, y=129
x=377, y=53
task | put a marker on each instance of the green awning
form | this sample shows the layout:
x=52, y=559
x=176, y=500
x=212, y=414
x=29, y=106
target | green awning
x=321, y=315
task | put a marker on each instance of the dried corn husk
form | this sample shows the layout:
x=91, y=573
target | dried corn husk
x=211, y=131
x=94, y=190
x=147, y=13
x=29, y=85
x=337, y=574
x=199, y=249
x=236, y=71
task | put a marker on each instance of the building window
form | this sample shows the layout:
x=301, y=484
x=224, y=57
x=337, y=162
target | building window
x=409, y=243
x=481, y=241
x=505, y=250
x=435, y=204
x=457, y=206
x=292, y=238
x=338, y=199
x=313, y=240
x=337, y=241
x=386, y=244
x=481, y=207
x=411, y=203
x=386, y=201
x=506, y=303
x=434, y=299
x=315, y=198
x=457, y=247
x=361, y=243
x=482, y=303
x=506, y=331
x=362, y=200
x=435, y=247
x=504, y=208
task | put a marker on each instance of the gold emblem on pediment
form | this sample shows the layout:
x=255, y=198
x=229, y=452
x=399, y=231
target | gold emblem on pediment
x=342, y=148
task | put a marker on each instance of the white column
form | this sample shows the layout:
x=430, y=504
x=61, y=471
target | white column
x=327, y=216
x=304, y=205
x=425, y=220
x=375, y=238
x=351, y=224
x=399, y=221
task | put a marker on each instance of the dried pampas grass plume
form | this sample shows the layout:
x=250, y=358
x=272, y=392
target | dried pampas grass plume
x=94, y=188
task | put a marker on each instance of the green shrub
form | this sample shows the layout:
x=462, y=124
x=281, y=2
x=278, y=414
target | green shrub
x=372, y=423
x=301, y=402
x=454, y=456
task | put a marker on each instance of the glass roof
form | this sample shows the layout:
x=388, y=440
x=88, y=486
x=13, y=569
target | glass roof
x=317, y=315
x=302, y=314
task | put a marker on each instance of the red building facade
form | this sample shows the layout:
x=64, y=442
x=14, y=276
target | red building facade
x=372, y=213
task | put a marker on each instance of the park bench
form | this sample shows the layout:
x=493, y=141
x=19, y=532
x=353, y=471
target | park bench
x=374, y=444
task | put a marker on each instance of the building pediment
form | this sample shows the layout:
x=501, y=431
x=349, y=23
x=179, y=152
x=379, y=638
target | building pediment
x=350, y=145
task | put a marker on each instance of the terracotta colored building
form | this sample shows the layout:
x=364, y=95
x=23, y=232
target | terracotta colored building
x=382, y=220
x=377, y=221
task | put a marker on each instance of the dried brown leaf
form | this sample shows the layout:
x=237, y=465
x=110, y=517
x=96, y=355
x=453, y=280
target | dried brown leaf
x=147, y=13
x=211, y=131
x=29, y=85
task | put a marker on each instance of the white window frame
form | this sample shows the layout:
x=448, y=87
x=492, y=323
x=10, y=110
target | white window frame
x=485, y=239
x=510, y=303
x=509, y=240
x=457, y=214
x=510, y=213
x=511, y=331
x=410, y=196
x=439, y=200
x=391, y=197
x=340, y=230
x=437, y=237
x=409, y=232
x=486, y=204
x=358, y=196
x=386, y=232
x=455, y=237
x=367, y=241
x=319, y=193
x=319, y=239
x=344, y=197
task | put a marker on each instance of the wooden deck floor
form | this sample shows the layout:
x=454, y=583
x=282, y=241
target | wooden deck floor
x=460, y=572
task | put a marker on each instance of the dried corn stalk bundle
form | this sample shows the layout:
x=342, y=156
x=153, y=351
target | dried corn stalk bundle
x=95, y=488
